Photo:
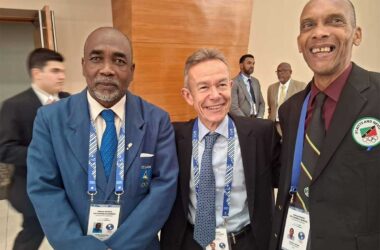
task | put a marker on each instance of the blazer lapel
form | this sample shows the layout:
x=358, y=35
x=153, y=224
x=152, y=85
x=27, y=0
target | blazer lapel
x=184, y=144
x=291, y=90
x=342, y=120
x=244, y=88
x=134, y=129
x=247, y=143
x=78, y=134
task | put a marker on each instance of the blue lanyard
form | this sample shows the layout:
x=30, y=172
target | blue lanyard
x=229, y=168
x=297, y=158
x=93, y=148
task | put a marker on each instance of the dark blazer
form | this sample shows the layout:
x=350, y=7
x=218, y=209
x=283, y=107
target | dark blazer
x=260, y=149
x=16, y=125
x=345, y=191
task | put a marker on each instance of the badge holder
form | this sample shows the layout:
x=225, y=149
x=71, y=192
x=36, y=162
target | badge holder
x=103, y=219
x=221, y=241
x=296, y=230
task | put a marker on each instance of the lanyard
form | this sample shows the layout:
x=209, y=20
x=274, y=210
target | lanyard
x=297, y=158
x=93, y=148
x=229, y=168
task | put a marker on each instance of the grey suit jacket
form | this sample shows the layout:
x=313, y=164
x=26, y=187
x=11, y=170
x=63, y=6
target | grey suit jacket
x=240, y=98
x=272, y=96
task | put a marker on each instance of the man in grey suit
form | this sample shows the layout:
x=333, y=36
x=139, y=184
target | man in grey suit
x=280, y=91
x=247, y=99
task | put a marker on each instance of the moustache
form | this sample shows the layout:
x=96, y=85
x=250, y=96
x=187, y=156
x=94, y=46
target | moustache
x=106, y=80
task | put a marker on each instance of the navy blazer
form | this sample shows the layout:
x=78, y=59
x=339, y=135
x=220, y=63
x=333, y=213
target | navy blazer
x=57, y=175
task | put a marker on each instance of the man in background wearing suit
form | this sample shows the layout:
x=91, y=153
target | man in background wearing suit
x=46, y=70
x=225, y=190
x=281, y=91
x=329, y=188
x=246, y=97
x=103, y=156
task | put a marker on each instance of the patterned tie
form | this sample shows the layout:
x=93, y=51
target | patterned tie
x=315, y=134
x=109, y=141
x=251, y=90
x=205, y=221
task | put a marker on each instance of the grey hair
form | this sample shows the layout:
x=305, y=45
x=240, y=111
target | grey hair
x=202, y=55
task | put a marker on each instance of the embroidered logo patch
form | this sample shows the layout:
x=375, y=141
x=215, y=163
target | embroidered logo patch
x=366, y=132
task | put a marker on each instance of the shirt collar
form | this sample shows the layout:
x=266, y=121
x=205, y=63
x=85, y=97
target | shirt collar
x=334, y=90
x=222, y=129
x=96, y=108
x=244, y=77
x=42, y=95
x=285, y=84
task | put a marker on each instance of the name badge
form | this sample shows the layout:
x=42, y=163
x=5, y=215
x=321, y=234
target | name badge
x=103, y=220
x=221, y=240
x=296, y=231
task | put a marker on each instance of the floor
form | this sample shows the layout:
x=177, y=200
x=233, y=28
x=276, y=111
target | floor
x=10, y=225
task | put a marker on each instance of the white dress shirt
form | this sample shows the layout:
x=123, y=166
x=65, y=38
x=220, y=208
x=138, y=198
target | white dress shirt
x=279, y=93
x=100, y=125
x=239, y=216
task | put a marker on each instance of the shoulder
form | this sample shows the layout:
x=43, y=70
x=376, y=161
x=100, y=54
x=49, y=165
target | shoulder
x=273, y=86
x=180, y=127
x=256, y=125
x=254, y=79
x=298, y=83
x=20, y=97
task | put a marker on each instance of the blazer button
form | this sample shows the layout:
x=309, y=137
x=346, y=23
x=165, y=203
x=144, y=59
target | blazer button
x=275, y=235
x=279, y=207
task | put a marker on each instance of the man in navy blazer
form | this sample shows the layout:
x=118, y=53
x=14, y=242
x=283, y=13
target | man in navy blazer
x=59, y=156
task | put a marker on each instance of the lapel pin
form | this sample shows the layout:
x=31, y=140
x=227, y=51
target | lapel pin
x=129, y=145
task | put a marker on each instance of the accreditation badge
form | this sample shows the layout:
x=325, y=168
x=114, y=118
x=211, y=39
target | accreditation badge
x=221, y=240
x=103, y=220
x=296, y=231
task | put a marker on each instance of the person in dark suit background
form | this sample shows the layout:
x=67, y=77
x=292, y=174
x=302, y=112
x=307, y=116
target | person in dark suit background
x=340, y=188
x=246, y=97
x=255, y=164
x=17, y=114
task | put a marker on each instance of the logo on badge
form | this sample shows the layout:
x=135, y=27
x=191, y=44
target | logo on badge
x=110, y=227
x=222, y=245
x=301, y=236
x=366, y=132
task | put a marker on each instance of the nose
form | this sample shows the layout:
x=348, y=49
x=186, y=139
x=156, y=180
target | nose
x=107, y=68
x=214, y=93
x=321, y=32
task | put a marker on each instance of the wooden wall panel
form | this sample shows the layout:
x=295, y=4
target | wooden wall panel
x=164, y=33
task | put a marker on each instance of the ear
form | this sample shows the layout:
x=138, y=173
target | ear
x=186, y=94
x=132, y=71
x=357, y=36
x=83, y=66
x=298, y=44
x=35, y=73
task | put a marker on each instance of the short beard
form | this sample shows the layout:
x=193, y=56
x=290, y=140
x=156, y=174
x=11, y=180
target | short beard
x=108, y=97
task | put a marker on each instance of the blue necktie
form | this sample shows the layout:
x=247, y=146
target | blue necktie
x=205, y=221
x=109, y=141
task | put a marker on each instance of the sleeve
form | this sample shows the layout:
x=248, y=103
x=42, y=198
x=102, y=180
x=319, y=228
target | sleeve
x=235, y=109
x=148, y=217
x=12, y=148
x=47, y=193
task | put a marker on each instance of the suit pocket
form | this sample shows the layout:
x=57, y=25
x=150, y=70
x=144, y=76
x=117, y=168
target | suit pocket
x=145, y=173
x=369, y=241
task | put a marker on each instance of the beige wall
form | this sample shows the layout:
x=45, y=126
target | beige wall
x=74, y=20
x=273, y=38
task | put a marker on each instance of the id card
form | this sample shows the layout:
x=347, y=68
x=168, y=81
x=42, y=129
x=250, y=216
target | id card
x=296, y=231
x=221, y=240
x=103, y=220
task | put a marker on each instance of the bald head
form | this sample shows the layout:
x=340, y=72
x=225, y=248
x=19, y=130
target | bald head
x=104, y=35
x=349, y=7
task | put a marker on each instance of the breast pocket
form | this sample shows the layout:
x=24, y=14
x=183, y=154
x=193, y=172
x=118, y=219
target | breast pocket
x=145, y=173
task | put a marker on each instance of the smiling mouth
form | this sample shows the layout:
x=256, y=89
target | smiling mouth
x=215, y=107
x=326, y=49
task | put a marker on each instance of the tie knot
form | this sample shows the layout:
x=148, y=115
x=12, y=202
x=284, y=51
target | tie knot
x=210, y=140
x=319, y=100
x=249, y=80
x=108, y=115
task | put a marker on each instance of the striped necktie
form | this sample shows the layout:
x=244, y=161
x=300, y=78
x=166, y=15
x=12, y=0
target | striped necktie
x=109, y=141
x=205, y=220
x=315, y=134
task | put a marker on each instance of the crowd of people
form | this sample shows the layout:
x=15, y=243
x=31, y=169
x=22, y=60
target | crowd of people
x=104, y=169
